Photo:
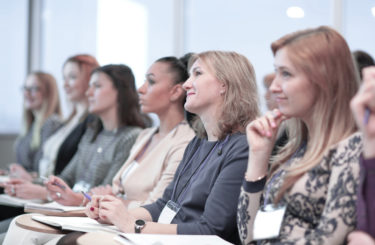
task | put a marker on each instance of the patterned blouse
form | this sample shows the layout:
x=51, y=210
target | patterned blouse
x=321, y=205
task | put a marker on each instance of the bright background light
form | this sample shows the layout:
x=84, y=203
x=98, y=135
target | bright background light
x=295, y=12
x=373, y=11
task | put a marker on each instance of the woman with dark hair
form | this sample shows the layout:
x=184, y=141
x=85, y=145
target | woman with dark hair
x=106, y=144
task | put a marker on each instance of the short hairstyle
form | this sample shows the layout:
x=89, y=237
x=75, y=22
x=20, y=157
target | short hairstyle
x=241, y=102
x=362, y=60
x=323, y=56
x=123, y=81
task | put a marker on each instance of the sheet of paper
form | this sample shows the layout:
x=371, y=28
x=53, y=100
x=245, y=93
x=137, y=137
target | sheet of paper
x=15, y=201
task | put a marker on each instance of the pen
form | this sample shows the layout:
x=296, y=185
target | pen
x=86, y=195
x=54, y=183
x=367, y=116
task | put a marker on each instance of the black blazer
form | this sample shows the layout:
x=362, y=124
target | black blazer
x=70, y=145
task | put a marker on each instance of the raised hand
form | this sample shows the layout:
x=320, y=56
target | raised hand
x=261, y=136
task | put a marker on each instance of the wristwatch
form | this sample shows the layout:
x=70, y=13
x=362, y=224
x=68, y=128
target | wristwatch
x=139, y=225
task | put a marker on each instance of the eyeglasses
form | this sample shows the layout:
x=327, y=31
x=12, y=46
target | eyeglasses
x=30, y=89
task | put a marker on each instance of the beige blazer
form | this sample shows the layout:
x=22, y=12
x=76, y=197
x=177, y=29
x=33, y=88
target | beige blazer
x=156, y=170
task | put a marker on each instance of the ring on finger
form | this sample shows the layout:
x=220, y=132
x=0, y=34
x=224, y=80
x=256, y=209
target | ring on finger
x=58, y=194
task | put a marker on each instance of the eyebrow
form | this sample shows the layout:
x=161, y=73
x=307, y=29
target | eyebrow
x=150, y=75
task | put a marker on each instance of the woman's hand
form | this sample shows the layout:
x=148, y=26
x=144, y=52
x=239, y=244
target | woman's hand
x=25, y=190
x=262, y=132
x=17, y=171
x=362, y=103
x=360, y=238
x=261, y=136
x=102, y=190
x=60, y=192
x=112, y=210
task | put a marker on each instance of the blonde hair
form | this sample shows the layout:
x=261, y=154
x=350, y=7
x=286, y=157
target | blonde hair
x=51, y=105
x=241, y=104
x=324, y=57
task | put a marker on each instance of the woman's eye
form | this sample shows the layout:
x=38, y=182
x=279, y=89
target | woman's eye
x=286, y=74
x=150, y=81
x=197, y=73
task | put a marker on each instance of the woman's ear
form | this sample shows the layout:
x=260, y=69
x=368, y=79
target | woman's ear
x=176, y=92
x=223, y=89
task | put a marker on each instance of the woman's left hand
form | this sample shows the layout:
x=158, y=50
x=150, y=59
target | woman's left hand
x=112, y=210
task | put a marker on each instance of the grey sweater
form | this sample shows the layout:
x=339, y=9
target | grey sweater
x=96, y=163
x=209, y=200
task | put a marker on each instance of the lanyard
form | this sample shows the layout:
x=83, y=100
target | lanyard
x=197, y=170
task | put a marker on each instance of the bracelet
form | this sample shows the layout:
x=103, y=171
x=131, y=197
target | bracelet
x=259, y=178
x=83, y=201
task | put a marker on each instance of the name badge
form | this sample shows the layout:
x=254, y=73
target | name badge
x=169, y=212
x=268, y=221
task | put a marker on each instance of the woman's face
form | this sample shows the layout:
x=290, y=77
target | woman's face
x=102, y=95
x=75, y=83
x=294, y=93
x=155, y=93
x=204, y=92
x=33, y=93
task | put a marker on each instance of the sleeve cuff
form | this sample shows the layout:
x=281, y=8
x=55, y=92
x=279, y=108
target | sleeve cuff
x=254, y=186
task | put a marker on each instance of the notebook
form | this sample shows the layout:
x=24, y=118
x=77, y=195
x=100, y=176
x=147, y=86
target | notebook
x=83, y=224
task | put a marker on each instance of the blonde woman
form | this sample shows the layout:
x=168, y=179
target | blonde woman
x=207, y=182
x=42, y=117
x=309, y=194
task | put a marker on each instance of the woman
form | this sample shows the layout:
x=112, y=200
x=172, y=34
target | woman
x=309, y=194
x=157, y=151
x=207, y=182
x=41, y=118
x=62, y=145
x=363, y=107
x=105, y=145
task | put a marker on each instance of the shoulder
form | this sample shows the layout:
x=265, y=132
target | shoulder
x=351, y=143
x=52, y=121
x=347, y=150
x=129, y=133
x=183, y=132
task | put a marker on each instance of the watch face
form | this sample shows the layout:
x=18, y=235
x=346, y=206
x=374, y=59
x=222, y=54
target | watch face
x=140, y=222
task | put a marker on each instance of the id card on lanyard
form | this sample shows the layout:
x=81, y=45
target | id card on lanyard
x=269, y=217
x=171, y=209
